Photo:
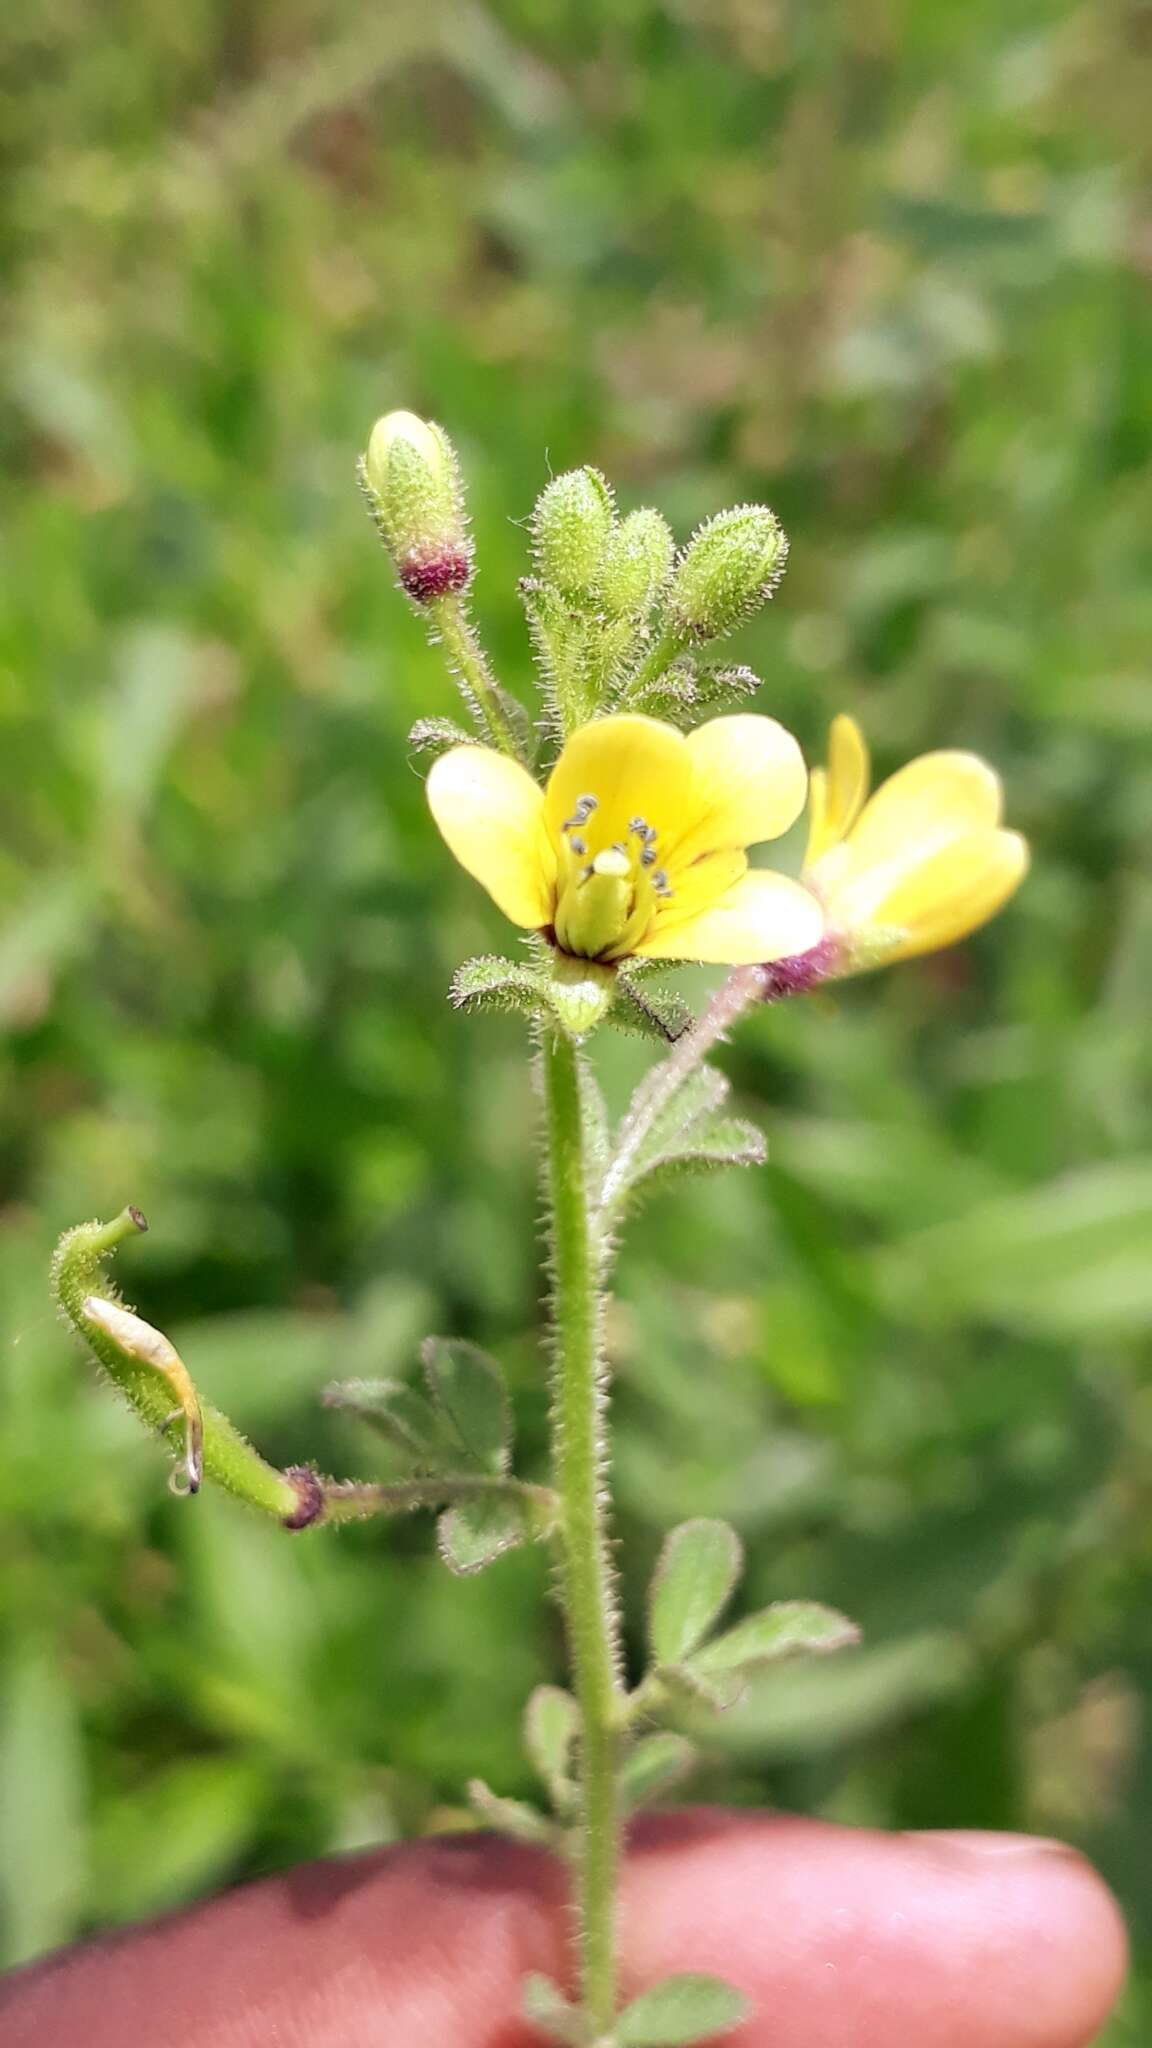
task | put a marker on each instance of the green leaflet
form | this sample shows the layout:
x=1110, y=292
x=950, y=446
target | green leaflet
x=693, y=1581
x=686, y=1134
x=680, y=2011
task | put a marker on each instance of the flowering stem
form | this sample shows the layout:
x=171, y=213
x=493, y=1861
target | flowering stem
x=579, y=1473
x=744, y=986
x=474, y=678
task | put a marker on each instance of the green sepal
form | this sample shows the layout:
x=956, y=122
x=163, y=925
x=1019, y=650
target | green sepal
x=559, y=638
x=573, y=995
x=789, y=1628
x=680, y=2011
x=492, y=983
x=685, y=692
x=650, y=1013
x=688, y=1135
x=721, y=684
x=472, y=1534
x=652, y=1767
x=551, y=1730
x=636, y=565
x=545, y=2007
x=694, y=1579
x=512, y=1817
x=436, y=736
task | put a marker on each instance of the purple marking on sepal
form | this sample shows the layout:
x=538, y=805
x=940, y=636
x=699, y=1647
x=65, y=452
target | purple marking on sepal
x=428, y=577
x=310, y=1494
x=800, y=971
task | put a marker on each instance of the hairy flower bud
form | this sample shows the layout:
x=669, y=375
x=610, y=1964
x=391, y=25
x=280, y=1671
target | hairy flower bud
x=412, y=479
x=571, y=527
x=637, y=564
x=728, y=570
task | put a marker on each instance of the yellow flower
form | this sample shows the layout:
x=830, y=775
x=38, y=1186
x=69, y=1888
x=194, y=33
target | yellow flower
x=637, y=845
x=918, y=865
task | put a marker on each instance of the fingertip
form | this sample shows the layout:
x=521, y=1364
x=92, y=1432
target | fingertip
x=864, y=1940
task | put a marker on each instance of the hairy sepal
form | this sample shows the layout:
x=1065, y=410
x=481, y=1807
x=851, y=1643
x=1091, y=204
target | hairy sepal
x=686, y=692
x=436, y=736
x=572, y=996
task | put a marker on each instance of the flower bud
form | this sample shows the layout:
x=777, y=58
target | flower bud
x=727, y=571
x=636, y=565
x=413, y=482
x=571, y=526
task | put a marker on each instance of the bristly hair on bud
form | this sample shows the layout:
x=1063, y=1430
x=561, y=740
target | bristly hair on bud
x=411, y=478
x=572, y=523
x=637, y=564
x=728, y=570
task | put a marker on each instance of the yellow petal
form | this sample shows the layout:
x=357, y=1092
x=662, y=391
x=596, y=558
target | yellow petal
x=836, y=795
x=700, y=885
x=952, y=893
x=748, y=784
x=634, y=767
x=934, y=799
x=761, y=917
x=490, y=812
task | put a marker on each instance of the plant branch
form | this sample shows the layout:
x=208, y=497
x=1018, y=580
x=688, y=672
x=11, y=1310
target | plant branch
x=470, y=666
x=745, y=986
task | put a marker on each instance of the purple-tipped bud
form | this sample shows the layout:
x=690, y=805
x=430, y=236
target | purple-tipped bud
x=413, y=483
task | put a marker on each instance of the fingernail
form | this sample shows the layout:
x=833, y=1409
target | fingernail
x=986, y=1847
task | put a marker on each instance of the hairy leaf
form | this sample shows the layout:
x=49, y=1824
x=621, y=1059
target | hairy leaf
x=402, y=1416
x=652, y=1767
x=512, y=1817
x=697, y=1569
x=679, y=2011
x=790, y=1628
x=469, y=1397
x=544, y=2006
x=475, y=1533
x=551, y=1728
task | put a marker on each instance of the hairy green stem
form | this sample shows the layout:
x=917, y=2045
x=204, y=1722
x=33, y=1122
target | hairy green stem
x=474, y=678
x=579, y=1473
x=352, y=1500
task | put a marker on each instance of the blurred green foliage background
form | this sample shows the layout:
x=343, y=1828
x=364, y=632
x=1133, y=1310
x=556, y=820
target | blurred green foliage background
x=885, y=265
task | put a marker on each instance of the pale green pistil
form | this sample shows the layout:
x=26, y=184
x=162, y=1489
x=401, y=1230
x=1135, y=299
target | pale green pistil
x=607, y=897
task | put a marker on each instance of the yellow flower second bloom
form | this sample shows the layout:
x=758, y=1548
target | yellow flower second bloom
x=637, y=845
x=916, y=866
